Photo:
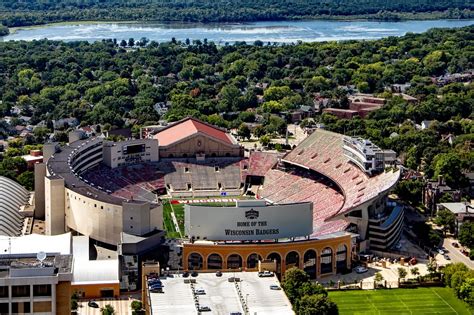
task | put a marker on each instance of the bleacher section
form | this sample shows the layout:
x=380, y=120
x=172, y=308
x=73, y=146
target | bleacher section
x=177, y=177
x=318, y=171
x=303, y=186
x=323, y=153
x=261, y=162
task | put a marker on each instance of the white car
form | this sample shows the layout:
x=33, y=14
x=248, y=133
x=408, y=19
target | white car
x=265, y=274
x=199, y=292
x=274, y=287
x=360, y=269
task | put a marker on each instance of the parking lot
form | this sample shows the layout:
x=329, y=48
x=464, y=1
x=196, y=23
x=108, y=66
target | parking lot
x=220, y=295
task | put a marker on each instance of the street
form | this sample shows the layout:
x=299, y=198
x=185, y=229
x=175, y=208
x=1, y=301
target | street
x=455, y=253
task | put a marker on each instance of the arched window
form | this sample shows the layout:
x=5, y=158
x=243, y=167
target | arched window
x=252, y=260
x=234, y=261
x=195, y=261
x=309, y=263
x=277, y=257
x=292, y=260
x=341, y=258
x=326, y=260
x=214, y=261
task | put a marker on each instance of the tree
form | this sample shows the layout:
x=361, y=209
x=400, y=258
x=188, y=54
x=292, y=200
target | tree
x=107, y=310
x=316, y=304
x=446, y=220
x=415, y=271
x=137, y=308
x=276, y=93
x=272, y=107
x=74, y=303
x=27, y=180
x=466, y=291
x=402, y=273
x=131, y=42
x=410, y=190
x=293, y=281
x=466, y=234
x=449, y=166
x=265, y=140
x=378, y=278
x=451, y=269
x=244, y=131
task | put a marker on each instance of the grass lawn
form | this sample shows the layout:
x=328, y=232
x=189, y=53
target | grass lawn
x=399, y=302
x=168, y=221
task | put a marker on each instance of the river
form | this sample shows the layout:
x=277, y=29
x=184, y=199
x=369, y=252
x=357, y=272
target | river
x=274, y=32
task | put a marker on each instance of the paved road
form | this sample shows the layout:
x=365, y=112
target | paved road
x=455, y=254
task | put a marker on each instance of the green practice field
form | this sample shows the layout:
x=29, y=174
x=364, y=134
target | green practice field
x=399, y=302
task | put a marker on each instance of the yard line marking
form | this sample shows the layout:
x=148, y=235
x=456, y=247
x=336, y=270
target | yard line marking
x=444, y=301
x=398, y=297
x=375, y=308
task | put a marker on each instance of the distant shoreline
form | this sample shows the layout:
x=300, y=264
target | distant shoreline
x=368, y=18
x=13, y=30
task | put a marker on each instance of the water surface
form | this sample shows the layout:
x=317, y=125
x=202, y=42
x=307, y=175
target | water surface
x=274, y=32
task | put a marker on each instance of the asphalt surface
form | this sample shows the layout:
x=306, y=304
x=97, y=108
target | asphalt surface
x=455, y=253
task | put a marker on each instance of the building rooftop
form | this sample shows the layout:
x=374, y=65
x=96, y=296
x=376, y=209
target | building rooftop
x=190, y=126
x=34, y=243
x=221, y=296
x=459, y=207
x=88, y=271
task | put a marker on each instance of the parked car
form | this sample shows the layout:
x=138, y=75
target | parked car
x=199, y=292
x=219, y=273
x=440, y=251
x=274, y=287
x=194, y=274
x=446, y=256
x=360, y=269
x=204, y=309
x=93, y=304
x=455, y=245
x=155, y=285
x=154, y=281
x=265, y=273
x=186, y=274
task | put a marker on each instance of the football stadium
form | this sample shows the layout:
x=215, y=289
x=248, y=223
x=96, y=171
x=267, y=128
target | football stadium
x=313, y=207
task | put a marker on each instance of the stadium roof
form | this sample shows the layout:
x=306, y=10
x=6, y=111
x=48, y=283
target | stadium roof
x=12, y=197
x=188, y=127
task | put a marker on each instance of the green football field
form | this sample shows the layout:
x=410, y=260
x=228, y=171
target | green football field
x=399, y=302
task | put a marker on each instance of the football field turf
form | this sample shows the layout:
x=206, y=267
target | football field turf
x=399, y=301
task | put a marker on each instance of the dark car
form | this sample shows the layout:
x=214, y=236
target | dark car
x=219, y=273
x=194, y=274
x=186, y=274
x=93, y=304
